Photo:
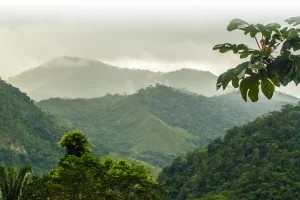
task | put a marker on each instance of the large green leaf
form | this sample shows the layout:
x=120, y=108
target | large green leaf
x=291, y=43
x=296, y=47
x=293, y=33
x=247, y=84
x=236, y=24
x=280, y=67
x=235, y=82
x=224, y=47
x=227, y=77
x=284, y=32
x=248, y=52
x=275, y=81
x=227, y=47
x=240, y=70
x=267, y=88
x=252, y=29
x=224, y=79
x=274, y=27
x=219, y=81
x=266, y=31
x=293, y=20
x=276, y=40
x=296, y=67
x=254, y=91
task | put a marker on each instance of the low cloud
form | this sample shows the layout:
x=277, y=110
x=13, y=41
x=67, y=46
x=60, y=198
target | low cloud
x=157, y=39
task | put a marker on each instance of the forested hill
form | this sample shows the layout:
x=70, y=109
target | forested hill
x=27, y=135
x=156, y=124
x=74, y=77
x=260, y=160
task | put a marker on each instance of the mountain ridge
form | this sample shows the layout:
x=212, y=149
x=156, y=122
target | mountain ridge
x=95, y=79
x=143, y=125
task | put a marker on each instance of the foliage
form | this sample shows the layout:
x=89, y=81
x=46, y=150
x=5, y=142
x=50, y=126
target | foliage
x=259, y=160
x=156, y=124
x=267, y=68
x=12, y=181
x=153, y=169
x=75, y=143
x=86, y=176
x=27, y=135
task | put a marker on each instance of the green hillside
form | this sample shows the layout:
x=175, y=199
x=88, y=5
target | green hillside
x=124, y=126
x=205, y=117
x=155, y=124
x=74, y=77
x=27, y=135
x=259, y=160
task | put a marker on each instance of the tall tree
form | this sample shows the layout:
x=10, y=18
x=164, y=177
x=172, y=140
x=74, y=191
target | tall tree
x=266, y=68
x=75, y=143
x=12, y=181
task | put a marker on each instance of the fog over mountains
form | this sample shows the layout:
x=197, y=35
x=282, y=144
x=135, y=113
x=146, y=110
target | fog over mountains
x=73, y=77
x=142, y=37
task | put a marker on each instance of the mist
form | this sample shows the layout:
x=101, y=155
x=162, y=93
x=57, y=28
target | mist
x=154, y=37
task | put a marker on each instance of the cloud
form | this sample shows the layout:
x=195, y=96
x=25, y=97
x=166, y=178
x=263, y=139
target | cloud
x=150, y=36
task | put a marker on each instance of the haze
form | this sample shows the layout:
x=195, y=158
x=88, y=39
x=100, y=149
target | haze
x=156, y=36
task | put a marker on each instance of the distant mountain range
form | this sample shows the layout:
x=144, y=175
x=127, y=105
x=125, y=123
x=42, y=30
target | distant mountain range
x=158, y=123
x=74, y=77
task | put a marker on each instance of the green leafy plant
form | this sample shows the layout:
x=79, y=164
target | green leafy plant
x=274, y=63
x=13, y=181
x=75, y=143
x=82, y=175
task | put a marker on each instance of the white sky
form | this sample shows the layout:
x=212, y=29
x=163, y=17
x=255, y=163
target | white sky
x=131, y=3
x=158, y=35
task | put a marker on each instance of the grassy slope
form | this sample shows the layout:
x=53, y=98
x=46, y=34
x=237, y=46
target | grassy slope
x=157, y=123
x=126, y=127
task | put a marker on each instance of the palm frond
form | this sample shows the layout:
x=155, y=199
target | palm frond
x=21, y=179
x=4, y=181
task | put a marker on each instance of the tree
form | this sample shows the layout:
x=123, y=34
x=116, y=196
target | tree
x=13, y=181
x=266, y=68
x=82, y=175
x=75, y=143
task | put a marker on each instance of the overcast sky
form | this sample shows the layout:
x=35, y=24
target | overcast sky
x=157, y=35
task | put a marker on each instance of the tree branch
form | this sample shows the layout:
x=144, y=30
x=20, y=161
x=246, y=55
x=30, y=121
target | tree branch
x=257, y=43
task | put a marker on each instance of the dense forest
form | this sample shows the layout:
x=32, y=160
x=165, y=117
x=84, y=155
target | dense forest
x=159, y=123
x=80, y=175
x=259, y=160
x=28, y=135
x=75, y=77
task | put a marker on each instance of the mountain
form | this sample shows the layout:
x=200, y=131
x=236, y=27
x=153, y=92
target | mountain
x=27, y=134
x=156, y=124
x=74, y=77
x=125, y=125
x=259, y=160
